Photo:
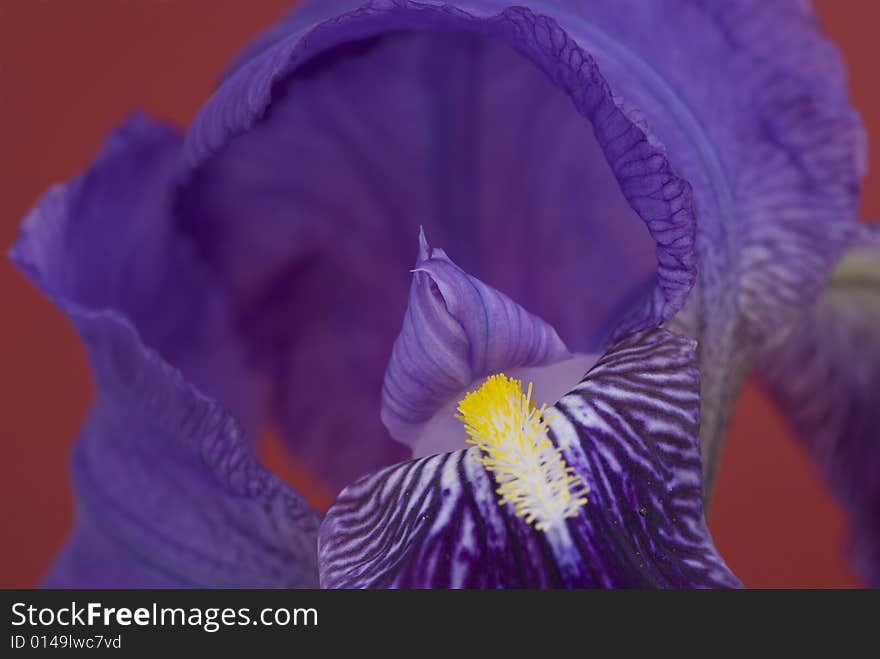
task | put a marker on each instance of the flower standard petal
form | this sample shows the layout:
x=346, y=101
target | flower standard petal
x=713, y=107
x=492, y=127
x=628, y=431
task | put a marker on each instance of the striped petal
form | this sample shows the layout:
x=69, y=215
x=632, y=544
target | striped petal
x=629, y=430
x=826, y=378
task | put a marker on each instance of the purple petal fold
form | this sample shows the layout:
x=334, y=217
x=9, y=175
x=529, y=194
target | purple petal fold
x=168, y=491
x=629, y=430
x=826, y=378
x=749, y=99
x=456, y=330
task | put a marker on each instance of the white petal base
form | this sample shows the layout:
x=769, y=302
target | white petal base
x=444, y=433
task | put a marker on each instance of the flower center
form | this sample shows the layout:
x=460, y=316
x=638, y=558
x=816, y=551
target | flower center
x=512, y=435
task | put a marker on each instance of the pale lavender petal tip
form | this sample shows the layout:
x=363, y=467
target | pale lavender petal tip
x=456, y=330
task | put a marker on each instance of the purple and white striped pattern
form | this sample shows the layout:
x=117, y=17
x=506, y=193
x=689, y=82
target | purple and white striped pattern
x=630, y=431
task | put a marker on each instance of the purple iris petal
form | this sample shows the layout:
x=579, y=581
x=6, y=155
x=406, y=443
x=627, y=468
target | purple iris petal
x=629, y=430
x=826, y=378
x=168, y=491
x=316, y=161
x=743, y=101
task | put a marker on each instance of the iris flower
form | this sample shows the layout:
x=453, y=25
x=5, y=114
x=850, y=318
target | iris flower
x=637, y=204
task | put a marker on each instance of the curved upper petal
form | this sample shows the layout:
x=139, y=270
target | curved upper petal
x=661, y=199
x=826, y=379
x=781, y=163
x=629, y=430
x=168, y=490
x=489, y=124
x=734, y=111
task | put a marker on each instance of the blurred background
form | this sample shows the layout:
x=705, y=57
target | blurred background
x=70, y=71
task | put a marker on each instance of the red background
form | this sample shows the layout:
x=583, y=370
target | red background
x=70, y=71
